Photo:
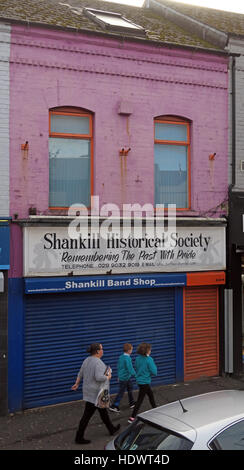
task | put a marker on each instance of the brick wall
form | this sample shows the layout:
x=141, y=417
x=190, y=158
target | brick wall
x=51, y=69
x=4, y=119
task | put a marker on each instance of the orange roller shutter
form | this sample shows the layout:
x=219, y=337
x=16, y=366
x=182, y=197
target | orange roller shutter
x=201, y=332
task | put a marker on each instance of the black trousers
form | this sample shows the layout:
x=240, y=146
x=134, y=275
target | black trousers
x=90, y=409
x=143, y=391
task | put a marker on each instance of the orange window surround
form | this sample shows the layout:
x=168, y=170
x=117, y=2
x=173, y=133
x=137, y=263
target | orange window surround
x=72, y=111
x=167, y=119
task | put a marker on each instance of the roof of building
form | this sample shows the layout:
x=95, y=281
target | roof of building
x=70, y=14
x=225, y=21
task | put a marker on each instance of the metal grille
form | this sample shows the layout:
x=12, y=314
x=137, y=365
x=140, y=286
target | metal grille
x=59, y=328
x=201, y=332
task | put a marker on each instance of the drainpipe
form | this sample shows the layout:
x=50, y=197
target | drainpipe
x=233, y=104
x=233, y=170
x=230, y=271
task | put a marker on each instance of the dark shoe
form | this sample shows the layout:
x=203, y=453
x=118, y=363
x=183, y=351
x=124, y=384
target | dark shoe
x=115, y=429
x=82, y=441
x=133, y=405
x=114, y=408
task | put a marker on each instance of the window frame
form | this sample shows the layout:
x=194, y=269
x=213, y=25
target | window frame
x=177, y=121
x=133, y=29
x=71, y=111
x=213, y=443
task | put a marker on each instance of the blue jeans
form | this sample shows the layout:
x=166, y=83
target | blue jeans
x=123, y=386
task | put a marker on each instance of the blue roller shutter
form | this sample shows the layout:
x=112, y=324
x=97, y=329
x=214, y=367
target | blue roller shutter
x=59, y=328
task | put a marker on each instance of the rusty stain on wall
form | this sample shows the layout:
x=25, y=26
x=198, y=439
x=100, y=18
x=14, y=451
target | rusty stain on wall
x=123, y=177
x=211, y=170
x=124, y=154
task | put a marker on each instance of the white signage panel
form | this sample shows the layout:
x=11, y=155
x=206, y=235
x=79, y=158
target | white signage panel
x=49, y=251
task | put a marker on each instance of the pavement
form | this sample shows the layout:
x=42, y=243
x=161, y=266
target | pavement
x=54, y=427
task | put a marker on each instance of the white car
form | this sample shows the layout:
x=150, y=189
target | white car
x=211, y=421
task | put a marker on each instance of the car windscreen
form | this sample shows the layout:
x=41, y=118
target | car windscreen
x=142, y=435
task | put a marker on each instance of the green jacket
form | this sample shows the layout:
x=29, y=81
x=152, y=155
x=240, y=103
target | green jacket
x=125, y=368
x=145, y=367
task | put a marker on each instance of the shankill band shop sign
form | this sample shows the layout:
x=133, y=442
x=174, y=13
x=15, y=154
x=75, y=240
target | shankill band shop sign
x=50, y=251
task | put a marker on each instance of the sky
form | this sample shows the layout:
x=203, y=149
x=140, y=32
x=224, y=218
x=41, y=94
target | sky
x=228, y=5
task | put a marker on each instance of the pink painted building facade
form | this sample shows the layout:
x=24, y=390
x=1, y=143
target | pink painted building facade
x=123, y=85
x=57, y=69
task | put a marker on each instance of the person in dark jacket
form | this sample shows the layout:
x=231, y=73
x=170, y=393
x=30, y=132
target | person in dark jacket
x=145, y=368
x=94, y=373
x=125, y=374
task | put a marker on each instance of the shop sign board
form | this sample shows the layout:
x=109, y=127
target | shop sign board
x=50, y=251
x=55, y=285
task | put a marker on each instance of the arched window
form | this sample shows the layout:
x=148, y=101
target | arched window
x=172, y=161
x=70, y=157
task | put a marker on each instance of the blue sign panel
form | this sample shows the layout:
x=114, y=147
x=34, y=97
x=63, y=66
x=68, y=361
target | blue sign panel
x=4, y=246
x=82, y=284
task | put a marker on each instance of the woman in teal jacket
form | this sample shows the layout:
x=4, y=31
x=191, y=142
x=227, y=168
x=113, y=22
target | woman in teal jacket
x=145, y=368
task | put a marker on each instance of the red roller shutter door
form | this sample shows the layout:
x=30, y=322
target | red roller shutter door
x=201, y=332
